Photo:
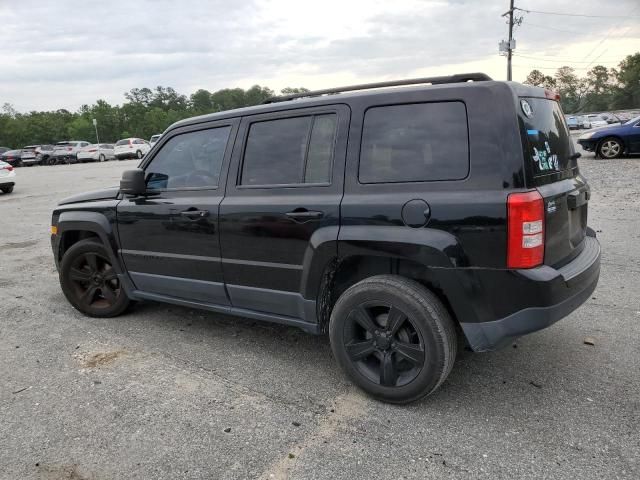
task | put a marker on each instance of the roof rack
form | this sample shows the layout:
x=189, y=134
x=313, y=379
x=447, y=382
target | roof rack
x=458, y=78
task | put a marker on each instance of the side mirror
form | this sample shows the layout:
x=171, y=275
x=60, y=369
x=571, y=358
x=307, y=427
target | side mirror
x=132, y=182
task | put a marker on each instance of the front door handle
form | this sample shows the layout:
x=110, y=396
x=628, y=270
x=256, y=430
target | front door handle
x=303, y=214
x=193, y=214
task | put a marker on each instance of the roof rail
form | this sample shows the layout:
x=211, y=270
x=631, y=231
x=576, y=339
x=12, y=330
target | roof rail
x=458, y=78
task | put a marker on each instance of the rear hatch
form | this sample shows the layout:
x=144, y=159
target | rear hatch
x=552, y=168
x=28, y=153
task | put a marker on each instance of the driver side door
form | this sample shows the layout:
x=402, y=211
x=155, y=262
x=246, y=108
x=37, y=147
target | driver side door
x=169, y=240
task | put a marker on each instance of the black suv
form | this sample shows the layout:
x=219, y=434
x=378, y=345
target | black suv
x=402, y=221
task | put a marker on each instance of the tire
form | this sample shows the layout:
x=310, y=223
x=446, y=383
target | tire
x=101, y=158
x=7, y=189
x=138, y=154
x=610, y=148
x=397, y=363
x=89, y=281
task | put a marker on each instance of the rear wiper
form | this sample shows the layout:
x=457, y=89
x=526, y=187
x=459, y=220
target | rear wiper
x=575, y=156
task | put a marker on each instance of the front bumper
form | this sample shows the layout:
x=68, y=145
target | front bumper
x=558, y=292
x=588, y=145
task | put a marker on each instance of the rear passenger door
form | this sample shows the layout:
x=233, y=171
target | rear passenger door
x=282, y=206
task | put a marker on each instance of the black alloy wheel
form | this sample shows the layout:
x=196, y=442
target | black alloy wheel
x=90, y=282
x=393, y=338
x=384, y=344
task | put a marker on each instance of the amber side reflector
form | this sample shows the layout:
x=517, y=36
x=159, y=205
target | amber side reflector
x=54, y=229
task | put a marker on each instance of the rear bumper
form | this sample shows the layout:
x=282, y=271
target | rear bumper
x=557, y=292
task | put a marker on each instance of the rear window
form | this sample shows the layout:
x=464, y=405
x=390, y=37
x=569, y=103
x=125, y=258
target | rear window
x=415, y=143
x=122, y=142
x=548, y=144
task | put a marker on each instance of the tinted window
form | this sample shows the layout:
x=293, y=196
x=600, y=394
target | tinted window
x=548, y=145
x=320, y=156
x=189, y=160
x=123, y=142
x=412, y=143
x=289, y=151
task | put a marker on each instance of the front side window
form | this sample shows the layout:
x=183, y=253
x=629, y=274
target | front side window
x=189, y=160
x=290, y=151
x=414, y=143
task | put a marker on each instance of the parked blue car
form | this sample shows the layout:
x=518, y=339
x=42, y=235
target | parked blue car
x=612, y=142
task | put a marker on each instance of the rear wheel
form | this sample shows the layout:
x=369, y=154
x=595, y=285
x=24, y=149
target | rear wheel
x=7, y=189
x=138, y=154
x=89, y=281
x=610, y=148
x=393, y=338
x=102, y=158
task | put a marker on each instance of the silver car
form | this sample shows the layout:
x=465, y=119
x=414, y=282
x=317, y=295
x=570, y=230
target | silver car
x=96, y=152
x=66, y=152
x=36, y=154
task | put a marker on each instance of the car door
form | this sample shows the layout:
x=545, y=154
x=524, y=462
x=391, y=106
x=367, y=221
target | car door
x=634, y=138
x=169, y=239
x=282, y=206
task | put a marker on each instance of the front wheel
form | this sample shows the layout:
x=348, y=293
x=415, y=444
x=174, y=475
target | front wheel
x=138, y=154
x=90, y=282
x=101, y=158
x=610, y=148
x=393, y=338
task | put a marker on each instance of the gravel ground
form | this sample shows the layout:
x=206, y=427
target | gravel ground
x=168, y=392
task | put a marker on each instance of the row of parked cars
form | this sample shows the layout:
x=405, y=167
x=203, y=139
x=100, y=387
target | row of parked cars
x=77, y=151
x=595, y=120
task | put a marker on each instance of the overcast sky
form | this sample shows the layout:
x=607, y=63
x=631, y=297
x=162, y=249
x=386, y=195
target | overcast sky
x=62, y=54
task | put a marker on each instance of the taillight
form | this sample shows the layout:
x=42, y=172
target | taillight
x=69, y=148
x=7, y=167
x=525, y=230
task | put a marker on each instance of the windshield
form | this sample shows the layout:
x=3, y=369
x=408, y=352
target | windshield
x=633, y=120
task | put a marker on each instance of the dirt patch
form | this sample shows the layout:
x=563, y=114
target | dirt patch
x=62, y=472
x=25, y=244
x=99, y=359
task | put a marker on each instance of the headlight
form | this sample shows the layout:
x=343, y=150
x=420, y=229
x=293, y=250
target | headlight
x=586, y=136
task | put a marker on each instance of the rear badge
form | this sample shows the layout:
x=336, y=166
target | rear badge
x=526, y=108
x=551, y=206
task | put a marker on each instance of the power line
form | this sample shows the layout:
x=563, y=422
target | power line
x=542, y=59
x=545, y=27
x=575, y=14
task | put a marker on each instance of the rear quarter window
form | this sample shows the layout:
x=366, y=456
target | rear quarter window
x=414, y=143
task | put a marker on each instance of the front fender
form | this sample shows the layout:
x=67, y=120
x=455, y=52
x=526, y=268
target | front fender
x=99, y=223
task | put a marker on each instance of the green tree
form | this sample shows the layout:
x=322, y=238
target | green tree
x=626, y=94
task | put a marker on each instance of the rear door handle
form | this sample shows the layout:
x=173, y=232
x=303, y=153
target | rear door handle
x=304, y=214
x=193, y=214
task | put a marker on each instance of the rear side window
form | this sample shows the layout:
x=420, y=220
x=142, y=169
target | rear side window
x=290, y=151
x=414, y=143
x=123, y=142
x=548, y=144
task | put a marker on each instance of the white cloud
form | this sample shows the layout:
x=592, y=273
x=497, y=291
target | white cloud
x=66, y=53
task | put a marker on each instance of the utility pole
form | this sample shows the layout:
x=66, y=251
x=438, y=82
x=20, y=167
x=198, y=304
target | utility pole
x=507, y=48
x=510, y=51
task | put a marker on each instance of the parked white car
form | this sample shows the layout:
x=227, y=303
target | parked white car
x=7, y=177
x=131, y=148
x=96, y=152
x=154, y=138
x=594, y=121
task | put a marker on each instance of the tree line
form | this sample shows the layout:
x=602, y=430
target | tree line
x=600, y=90
x=144, y=113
